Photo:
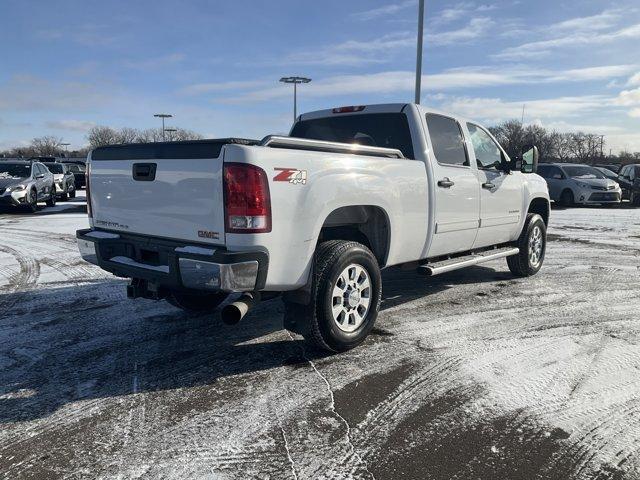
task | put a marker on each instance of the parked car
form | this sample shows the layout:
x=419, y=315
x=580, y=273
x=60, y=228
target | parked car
x=24, y=184
x=610, y=174
x=571, y=184
x=629, y=180
x=614, y=167
x=79, y=171
x=314, y=216
x=64, y=180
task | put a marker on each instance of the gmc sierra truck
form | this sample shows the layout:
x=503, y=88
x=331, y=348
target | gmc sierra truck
x=313, y=216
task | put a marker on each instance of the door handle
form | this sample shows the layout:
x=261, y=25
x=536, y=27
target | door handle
x=488, y=186
x=446, y=183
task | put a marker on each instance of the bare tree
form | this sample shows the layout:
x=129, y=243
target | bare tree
x=47, y=146
x=99, y=136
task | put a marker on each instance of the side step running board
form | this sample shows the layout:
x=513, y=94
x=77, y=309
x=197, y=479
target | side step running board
x=443, y=266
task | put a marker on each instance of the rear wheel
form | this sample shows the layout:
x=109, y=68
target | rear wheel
x=72, y=192
x=196, y=303
x=65, y=195
x=566, y=199
x=532, y=244
x=345, y=299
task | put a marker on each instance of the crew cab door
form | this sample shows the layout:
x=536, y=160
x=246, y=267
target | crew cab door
x=456, y=188
x=501, y=193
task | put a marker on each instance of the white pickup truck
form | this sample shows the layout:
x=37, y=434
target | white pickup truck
x=313, y=216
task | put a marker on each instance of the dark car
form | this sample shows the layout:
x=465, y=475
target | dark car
x=79, y=171
x=64, y=180
x=24, y=184
x=615, y=168
x=629, y=180
x=607, y=173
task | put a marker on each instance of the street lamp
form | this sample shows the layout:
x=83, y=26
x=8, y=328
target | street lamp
x=419, y=53
x=295, y=81
x=170, y=130
x=162, y=116
x=66, y=149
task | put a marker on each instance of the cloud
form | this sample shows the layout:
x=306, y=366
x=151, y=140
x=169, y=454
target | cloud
x=384, y=48
x=628, y=98
x=200, y=88
x=634, y=112
x=476, y=28
x=389, y=9
x=31, y=93
x=634, y=81
x=458, y=11
x=579, y=36
x=89, y=34
x=601, y=21
x=73, y=125
x=453, y=79
x=157, y=62
x=495, y=109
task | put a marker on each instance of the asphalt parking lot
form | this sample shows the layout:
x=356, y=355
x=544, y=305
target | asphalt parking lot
x=473, y=374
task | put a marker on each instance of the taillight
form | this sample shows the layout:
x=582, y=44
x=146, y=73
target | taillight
x=246, y=199
x=87, y=184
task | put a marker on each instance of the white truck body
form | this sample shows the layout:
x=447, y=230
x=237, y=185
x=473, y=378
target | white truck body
x=424, y=220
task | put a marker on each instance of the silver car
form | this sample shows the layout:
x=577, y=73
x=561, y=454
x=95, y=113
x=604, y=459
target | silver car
x=24, y=184
x=571, y=184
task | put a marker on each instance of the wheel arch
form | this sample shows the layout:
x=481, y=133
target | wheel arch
x=367, y=224
x=540, y=206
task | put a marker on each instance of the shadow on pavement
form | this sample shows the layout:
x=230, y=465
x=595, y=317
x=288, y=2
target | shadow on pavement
x=66, y=344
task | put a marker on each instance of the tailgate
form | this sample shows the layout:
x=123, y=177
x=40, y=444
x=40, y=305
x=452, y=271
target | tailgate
x=172, y=190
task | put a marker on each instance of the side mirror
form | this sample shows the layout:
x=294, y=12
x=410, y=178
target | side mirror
x=529, y=159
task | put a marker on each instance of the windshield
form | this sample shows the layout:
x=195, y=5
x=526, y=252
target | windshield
x=583, y=172
x=15, y=170
x=55, y=167
x=75, y=168
x=388, y=130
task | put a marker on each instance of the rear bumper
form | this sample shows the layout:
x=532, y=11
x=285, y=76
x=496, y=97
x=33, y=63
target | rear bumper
x=168, y=264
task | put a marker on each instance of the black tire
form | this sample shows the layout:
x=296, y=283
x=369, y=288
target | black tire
x=206, y=303
x=332, y=259
x=522, y=264
x=634, y=199
x=566, y=198
x=72, y=193
x=64, y=197
x=51, y=202
x=32, y=206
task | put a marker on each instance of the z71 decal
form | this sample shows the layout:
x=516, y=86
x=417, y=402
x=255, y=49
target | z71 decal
x=291, y=175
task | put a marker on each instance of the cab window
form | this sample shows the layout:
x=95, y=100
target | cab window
x=488, y=154
x=447, y=141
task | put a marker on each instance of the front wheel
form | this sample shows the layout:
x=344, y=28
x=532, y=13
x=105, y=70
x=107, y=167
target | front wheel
x=32, y=205
x=532, y=244
x=567, y=199
x=206, y=303
x=346, y=295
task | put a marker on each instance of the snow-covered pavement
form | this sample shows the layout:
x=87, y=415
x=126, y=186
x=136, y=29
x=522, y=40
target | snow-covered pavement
x=473, y=374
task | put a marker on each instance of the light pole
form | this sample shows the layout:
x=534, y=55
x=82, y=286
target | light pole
x=295, y=81
x=170, y=131
x=163, y=116
x=419, y=53
x=66, y=149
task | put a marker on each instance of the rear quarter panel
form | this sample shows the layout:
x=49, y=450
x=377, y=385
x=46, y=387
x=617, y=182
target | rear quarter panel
x=398, y=186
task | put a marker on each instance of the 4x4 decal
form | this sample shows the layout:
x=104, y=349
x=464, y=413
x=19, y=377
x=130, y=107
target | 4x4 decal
x=291, y=175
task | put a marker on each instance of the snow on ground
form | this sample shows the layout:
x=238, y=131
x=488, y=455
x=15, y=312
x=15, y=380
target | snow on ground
x=473, y=374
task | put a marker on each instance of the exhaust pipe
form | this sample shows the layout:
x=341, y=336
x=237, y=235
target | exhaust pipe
x=234, y=312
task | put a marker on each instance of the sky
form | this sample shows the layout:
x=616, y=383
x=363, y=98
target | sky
x=68, y=65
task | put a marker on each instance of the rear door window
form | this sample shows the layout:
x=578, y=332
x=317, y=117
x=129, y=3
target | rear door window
x=388, y=130
x=447, y=140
